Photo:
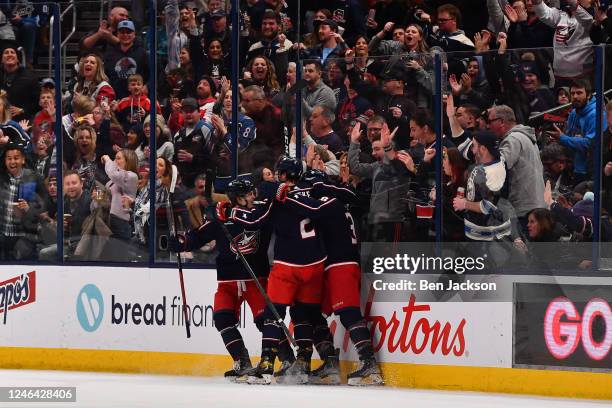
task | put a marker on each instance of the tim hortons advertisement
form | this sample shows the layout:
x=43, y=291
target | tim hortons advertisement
x=563, y=326
x=468, y=334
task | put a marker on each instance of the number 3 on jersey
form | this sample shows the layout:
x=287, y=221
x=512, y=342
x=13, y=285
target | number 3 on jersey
x=307, y=229
x=352, y=224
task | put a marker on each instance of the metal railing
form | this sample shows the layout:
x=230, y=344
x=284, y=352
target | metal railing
x=72, y=7
x=102, y=3
x=51, y=25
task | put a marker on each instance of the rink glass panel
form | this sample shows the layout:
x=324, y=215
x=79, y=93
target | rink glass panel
x=412, y=228
x=511, y=71
x=605, y=249
x=105, y=237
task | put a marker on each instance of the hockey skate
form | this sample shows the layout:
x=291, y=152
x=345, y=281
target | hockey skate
x=328, y=373
x=285, y=365
x=296, y=373
x=262, y=374
x=367, y=374
x=238, y=373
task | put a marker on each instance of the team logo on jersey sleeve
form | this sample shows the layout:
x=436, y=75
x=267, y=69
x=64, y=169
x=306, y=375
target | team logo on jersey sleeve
x=247, y=242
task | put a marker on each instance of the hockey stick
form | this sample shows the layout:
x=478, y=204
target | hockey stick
x=269, y=303
x=172, y=225
x=210, y=175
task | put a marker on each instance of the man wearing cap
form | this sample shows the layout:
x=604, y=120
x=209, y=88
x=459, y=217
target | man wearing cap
x=484, y=217
x=194, y=144
x=125, y=59
x=394, y=106
x=106, y=35
x=527, y=95
x=21, y=85
x=330, y=46
x=540, y=97
x=218, y=29
x=205, y=97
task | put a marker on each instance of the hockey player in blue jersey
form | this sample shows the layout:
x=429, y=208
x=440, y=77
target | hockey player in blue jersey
x=235, y=283
x=297, y=273
x=341, y=286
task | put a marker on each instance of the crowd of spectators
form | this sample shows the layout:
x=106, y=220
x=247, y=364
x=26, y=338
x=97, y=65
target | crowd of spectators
x=518, y=132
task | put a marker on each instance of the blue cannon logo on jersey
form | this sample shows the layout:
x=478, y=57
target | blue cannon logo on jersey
x=247, y=242
x=16, y=292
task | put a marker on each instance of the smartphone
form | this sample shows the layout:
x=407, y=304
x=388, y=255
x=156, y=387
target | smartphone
x=372, y=14
x=338, y=16
x=26, y=191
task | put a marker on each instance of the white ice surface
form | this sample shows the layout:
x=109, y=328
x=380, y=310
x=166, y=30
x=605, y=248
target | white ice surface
x=133, y=391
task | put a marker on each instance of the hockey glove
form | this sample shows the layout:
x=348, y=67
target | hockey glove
x=281, y=192
x=223, y=210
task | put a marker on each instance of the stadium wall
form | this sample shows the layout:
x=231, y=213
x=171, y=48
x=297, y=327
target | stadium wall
x=129, y=320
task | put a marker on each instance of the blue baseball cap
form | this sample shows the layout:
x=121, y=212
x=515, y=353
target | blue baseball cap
x=126, y=24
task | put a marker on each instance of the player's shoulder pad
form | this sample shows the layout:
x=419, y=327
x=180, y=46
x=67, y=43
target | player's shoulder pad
x=334, y=188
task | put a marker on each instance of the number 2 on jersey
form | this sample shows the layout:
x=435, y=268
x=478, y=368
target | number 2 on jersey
x=306, y=229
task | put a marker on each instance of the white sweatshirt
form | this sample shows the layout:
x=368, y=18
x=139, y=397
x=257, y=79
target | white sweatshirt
x=572, y=45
